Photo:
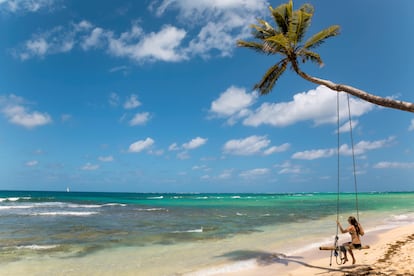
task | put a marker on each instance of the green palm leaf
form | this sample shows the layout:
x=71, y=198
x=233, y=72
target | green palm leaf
x=298, y=25
x=306, y=55
x=319, y=38
x=271, y=76
x=258, y=47
x=281, y=16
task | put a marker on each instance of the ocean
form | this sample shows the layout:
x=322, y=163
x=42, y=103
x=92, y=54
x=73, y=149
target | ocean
x=86, y=233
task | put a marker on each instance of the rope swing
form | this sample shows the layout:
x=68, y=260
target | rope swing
x=335, y=249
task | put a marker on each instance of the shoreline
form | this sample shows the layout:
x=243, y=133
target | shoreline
x=389, y=254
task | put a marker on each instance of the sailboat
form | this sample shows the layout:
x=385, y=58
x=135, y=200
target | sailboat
x=67, y=189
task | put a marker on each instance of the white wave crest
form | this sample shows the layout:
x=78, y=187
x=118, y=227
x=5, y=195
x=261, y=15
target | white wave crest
x=37, y=247
x=65, y=213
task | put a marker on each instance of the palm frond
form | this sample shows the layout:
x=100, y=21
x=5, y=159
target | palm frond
x=271, y=76
x=320, y=37
x=257, y=46
x=263, y=31
x=277, y=43
x=281, y=16
x=306, y=55
x=298, y=25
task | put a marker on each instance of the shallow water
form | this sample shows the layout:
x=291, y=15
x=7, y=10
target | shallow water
x=171, y=234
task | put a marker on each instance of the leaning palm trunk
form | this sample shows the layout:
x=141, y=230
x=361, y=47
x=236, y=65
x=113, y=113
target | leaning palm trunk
x=386, y=102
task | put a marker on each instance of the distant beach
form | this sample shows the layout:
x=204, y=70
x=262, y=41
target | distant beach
x=52, y=233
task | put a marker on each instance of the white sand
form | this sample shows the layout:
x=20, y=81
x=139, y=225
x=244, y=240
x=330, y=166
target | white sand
x=391, y=253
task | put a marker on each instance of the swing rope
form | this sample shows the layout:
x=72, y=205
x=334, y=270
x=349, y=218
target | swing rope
x=337, y=253
x=353, y=159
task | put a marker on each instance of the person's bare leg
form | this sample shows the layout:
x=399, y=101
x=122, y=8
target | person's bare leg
x=352, y=255
x=345, y=258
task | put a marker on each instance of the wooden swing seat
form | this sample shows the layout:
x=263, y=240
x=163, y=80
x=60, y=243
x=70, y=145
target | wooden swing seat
x=347, y=247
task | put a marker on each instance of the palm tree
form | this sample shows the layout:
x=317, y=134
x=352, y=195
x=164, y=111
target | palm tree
x=287, y=41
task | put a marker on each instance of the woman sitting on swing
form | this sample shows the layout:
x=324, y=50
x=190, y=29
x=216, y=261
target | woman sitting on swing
x=355, y=230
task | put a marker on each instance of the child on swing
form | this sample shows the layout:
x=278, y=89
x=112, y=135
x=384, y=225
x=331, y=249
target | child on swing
x=355, y=229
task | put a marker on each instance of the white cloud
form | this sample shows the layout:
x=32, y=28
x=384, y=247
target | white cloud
x=233, y=103
x=393, y=165
x=411, y=127
x=140, y=119
x=13, y=108
x=54, y=41
x=247, y=146
x=194, y=143
x=114, y=99
x=203, y=28
x=15, y=6
x=161, y=46
x=364, y=146
x=314, y=154
x=220, y=23
x=359, y=149
x=317, y=105
x=173, y=147
x=275, y=149
x=226, y=174
x=346, y=127
x=132, y=102
x=90, y=167
x=32, y=163
x=94, y=39
x=288, y=168
x=183, y=155
x=141, y=145
x=254, y=172
x=106, y=158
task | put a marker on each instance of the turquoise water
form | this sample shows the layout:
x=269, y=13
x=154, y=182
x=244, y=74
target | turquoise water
x=64, y=225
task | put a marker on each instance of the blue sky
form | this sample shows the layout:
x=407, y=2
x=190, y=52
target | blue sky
x=154, y=96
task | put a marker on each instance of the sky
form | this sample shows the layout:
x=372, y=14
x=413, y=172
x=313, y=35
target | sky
x=155, y=96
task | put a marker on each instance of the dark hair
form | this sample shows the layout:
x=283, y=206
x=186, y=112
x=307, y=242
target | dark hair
x=352, y=220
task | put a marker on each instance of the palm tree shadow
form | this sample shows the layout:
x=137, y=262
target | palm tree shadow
x=264, y=258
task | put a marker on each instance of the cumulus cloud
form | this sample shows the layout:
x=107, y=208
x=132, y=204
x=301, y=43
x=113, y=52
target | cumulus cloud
x=15, y=109
x=141, y=145
x=346, y=127
x=194, y=143
x=317, y=105
x=247, y=146
x=15, y=6
x=204, y=29
x=106, y=158
x=393, y=165
x=289, y=168
x=233, y=104
x=54, y=41
x=132, y=102
x=360, y=148
x=217, y=24
x=89, y=167
x=254, y=172
x=173, y=147
x=114, y=99
x=32, y=163
x=276, y=149
x=93, y=39
x=140, y=119
x=314, y=154
x=155, y=46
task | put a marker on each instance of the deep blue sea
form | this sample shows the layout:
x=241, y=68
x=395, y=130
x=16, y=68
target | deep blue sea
x=60, y=225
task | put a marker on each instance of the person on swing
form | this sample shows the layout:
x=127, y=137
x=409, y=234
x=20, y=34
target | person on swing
x=355, y=230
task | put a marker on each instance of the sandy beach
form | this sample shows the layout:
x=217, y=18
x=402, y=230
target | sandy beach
x=390, y=253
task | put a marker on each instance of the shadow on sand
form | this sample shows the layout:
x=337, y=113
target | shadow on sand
x=267, y=258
